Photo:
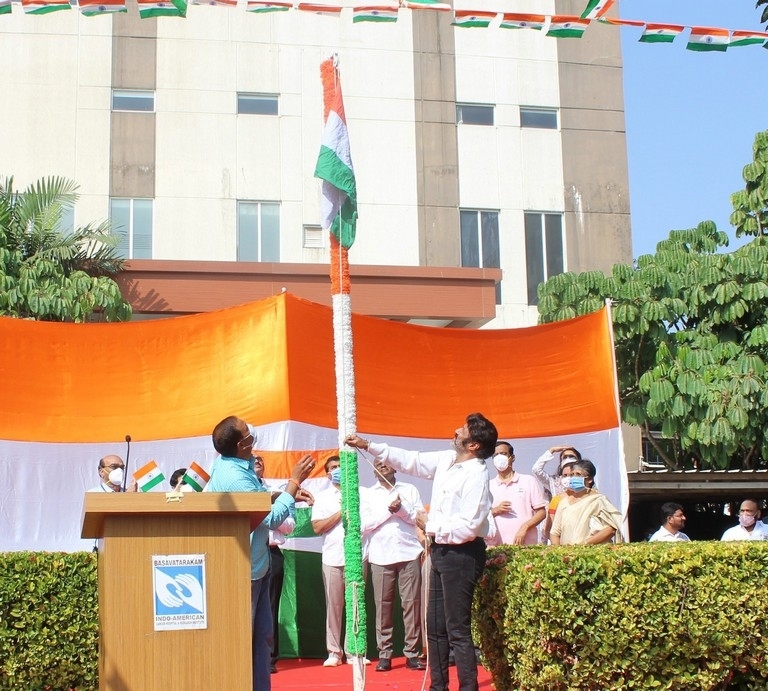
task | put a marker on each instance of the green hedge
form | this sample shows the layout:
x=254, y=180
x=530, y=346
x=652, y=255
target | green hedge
x=49, y=625
x=638, y=616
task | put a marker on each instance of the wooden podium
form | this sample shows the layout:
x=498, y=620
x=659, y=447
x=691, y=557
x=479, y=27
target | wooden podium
x=132, y=529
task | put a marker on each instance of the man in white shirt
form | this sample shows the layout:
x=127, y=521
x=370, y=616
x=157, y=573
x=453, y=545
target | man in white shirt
x=326, y=521
x=672, y=523
x=389, y=513
x=111, y=473
x=750, y=526
x=456, y=526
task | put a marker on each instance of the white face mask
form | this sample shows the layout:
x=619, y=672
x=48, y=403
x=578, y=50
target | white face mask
x=501, y=462
x=116, y=476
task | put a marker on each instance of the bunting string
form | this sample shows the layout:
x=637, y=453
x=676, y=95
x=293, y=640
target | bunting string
x=700, y=38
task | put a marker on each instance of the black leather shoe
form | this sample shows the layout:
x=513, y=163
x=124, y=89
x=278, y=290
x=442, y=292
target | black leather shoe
x=414, y=663
x=384, y=665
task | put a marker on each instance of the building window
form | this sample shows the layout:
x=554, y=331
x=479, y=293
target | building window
x=314, y=237
x=473, y=114
x=258, y=232
x=544, y=250
x=543, y=118
x=132, y=221
x=480, y=241
x=143, y=101
x=257, y=104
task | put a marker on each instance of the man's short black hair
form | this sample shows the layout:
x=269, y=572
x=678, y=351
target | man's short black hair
x=507, y=444
x=668, y=510
x=226, y=436
x=483, y=432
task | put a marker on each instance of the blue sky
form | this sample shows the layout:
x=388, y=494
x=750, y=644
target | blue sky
x=691, y=117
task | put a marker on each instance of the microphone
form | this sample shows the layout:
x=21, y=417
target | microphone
x=127, y=456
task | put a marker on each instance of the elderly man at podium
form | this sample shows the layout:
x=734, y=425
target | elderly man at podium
x=234, y=472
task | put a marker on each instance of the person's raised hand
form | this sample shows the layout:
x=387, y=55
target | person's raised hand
x=356, y=442
x=302, y=469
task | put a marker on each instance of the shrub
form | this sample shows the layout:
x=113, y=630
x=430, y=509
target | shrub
x=49, y=625
x=640, y=616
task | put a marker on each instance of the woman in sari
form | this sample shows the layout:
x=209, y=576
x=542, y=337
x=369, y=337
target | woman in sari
x=583, y=515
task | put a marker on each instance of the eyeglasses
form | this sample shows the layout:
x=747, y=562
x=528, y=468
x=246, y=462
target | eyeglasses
x=113, y=466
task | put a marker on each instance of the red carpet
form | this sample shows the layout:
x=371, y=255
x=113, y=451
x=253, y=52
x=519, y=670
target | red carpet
x=310, y=675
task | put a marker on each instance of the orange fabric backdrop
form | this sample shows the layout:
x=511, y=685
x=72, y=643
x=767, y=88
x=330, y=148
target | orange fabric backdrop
x=272, y=361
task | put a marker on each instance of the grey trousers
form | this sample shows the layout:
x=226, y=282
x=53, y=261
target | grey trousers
x=333, y=582
x=407, y=574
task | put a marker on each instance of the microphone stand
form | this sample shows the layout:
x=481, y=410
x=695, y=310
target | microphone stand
x=127, y=457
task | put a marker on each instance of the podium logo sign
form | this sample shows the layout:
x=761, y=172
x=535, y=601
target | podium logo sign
x=180, y=596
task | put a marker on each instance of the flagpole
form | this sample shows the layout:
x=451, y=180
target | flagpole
x=340, y=213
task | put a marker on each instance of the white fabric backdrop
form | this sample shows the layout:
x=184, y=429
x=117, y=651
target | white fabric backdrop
x=42, y=485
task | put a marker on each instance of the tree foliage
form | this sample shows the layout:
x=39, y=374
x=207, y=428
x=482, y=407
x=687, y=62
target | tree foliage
x=47, y=272
x=764, y=15
x=691, y=332
x=750, y=205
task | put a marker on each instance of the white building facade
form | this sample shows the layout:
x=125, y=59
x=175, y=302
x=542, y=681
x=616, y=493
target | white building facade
x=488, y=148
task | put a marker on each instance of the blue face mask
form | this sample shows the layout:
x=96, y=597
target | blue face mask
x=336, y=476
x=574, y=482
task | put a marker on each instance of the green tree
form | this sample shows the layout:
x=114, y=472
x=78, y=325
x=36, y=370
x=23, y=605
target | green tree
x=691, y=332
x=48, y=272
x=764, y=15
x=750, y=205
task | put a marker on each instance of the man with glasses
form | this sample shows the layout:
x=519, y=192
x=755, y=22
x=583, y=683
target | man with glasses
x=111, y=473
x=235, y=471
x=750, y=526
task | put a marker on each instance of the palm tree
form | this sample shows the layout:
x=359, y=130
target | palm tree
x=51, y=272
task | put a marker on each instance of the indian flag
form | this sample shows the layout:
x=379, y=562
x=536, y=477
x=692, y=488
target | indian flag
x=44, y=6
x=705, y=39
x=327, y=10
x=621, y=22
x=216, y=3
x=258, y=7
x=469, y=19
x=747, y=38
x=196, y=476
x=6, y=7
x=148, y=476
x=374, y=13
x=596, y=8
x=91, y=8
x=427, y=5
x=338, y=204
x=562, y=26
x=513, y=20
x=661, y=33
x=162, y=8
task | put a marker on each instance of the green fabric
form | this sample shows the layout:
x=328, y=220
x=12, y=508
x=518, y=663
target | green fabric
x=302, y=608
